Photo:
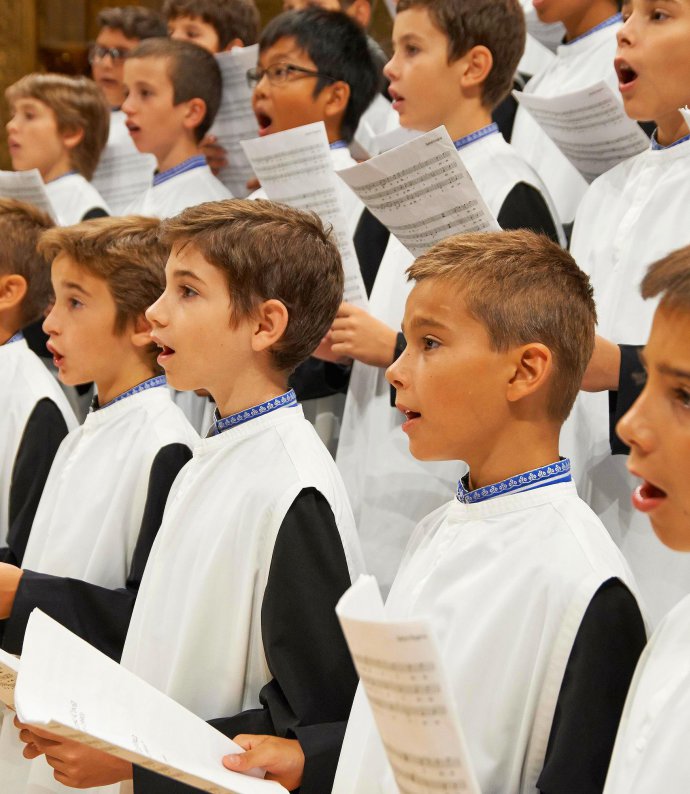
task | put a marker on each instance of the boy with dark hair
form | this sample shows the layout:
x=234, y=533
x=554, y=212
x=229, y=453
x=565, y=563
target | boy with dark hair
x=585, y=58
x=59, y=124
x=34, y=413
x=279, y=546
x=215, y=25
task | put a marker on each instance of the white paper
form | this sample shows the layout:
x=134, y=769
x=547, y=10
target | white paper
x=295, y=167
x=590, y=127
x=401, y=670
x=123, y=174
x=77, y=692
x=421, y=191
x=9, y=667
x=26, y=186
x=686, y=115
x=235, y=120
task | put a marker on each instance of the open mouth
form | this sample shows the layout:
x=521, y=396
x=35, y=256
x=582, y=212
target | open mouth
x=647, y=496
x=626, y=74
x=58, y=358
x=264, y=121
x=397, y=99
x=410, y=417
x=165, y=354
x=133, y=128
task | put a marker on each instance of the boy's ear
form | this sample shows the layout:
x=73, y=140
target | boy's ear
x=533, y=368
x=195, y=112
x=13, y=288
x=141, y=333
x=360, y=11
x=336, y=99
x=477, y=63
x=269, y=321
x=72, y=138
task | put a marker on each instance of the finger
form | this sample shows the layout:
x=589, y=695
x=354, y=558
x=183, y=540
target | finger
x=249, y=740
x=30, y=751
x=241, y=762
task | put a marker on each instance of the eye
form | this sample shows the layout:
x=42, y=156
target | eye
x=281, y=72
x=74, y=303
x=411, y=49
x=430, y=343
x=682, y=396
x=187, y=292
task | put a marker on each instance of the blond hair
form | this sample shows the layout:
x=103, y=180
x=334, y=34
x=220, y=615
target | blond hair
x=669, y=279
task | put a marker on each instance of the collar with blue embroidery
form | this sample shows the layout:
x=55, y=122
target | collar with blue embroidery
x=198, y=161
x=490, y=129
x=601, y=26
x=657, y=147
x=340, y=144
x=62, y=176
x=16, y=338
x=151, y=383
x=287, y=400
x=552, y=474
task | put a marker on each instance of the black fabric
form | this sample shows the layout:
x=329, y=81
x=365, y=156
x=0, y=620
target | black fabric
x=96, y=212
x=315, y=378
x=590, y=703
x=525, y=208
x=504, y=114
x=43, y=434
x=631, y=381
x=314, y=680
x=96, y=614
x=36, y=339
x=400, y=345
x=370, y=240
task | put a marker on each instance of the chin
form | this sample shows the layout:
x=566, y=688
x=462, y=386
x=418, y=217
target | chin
x=673, y=534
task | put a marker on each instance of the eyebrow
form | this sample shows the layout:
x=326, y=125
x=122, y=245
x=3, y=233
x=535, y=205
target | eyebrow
x=187, y=274
x=425, y=322
x=73, y=285
x=665, y=369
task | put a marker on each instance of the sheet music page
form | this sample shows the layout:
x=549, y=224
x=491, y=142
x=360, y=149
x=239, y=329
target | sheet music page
x=406, y=686
x=421, y=191
x=295, y=168
x=9, y=667
x=26, y=186
x=235, y=120
x=77, y=692
x=686, y=115
x=590, y=127
x=123, y=174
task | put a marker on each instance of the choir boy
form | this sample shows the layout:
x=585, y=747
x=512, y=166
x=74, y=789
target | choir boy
x=585, y=58
x=650, y=751
x=630, y=217
x=453, y=62
x=215, y=25
x=34, y=412
x=258, y=543
x=59, y=124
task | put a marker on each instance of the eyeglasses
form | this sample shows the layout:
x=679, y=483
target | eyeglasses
x=98, y=53
x=280, y=73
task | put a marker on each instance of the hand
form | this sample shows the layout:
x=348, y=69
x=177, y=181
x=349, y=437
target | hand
x=603, y=370
x=253, y=184
x=325, y=352
x=282, y=759
x=9, y=581
x=356, y=334
x=74, y=765
x=215, y=154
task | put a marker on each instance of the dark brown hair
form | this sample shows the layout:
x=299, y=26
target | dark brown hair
x=231, y=19
x=269, y=251
x=498, y=25
x=522, y=288
x=669, y=279
x=20, y=227
x=135, y=22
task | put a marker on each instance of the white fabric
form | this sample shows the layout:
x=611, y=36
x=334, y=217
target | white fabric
x=389, y=490
x=629, y=218
x=196, y=629
x=535, y=58
x=376, y=120
x=24, y=382
x=550, y=35
x=651, y=750
x=505, y=583
x=72, y=197
x=577, y=66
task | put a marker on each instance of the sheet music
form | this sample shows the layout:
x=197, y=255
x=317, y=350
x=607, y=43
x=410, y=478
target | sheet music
x=26, y=186
x=421, y=191
x=9, y=667
x=405, y=683
x=235, y=120
x=123, y=174
x=295, y=168
x=590, y=127
x=77, y=692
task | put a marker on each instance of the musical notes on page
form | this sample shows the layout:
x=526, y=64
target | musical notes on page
x=9, y=668
x=590, y=127
x=26, y=186
x=402, y=674
x=295, y=168
x=421, y=191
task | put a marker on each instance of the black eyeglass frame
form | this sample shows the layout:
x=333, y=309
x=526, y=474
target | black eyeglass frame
x=97, y=52
x=255, y=75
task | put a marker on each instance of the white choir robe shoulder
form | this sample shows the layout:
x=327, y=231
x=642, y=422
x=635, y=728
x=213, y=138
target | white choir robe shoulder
x=72, y=197
x=651, y=753
x=24, y=382
x=577, y=65
x=629, y=218
x=505, y=668
x=376, y=120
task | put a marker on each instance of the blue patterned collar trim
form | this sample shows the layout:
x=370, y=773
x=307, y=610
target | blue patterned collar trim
x=198, y=161
x=151, y=383
x=62, y=176
x=287, y=400
x=657, y=147
x=537, y=478
x=601, y=26
x=16, y=338
x=491, y=129
x=341, y=144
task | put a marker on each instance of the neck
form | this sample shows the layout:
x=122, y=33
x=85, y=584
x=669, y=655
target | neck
x=253, y=388
x=470, y=119
x=671, y=128
x=5, y=335
x=176, y=154
x=582, y=21
x=333, y=132
x=112, y=387
x=56, y=170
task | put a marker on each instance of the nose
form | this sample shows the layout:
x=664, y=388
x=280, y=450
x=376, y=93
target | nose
x=50, y=324
x=636, y=426
x=396, y=374
x=156, y=314
x=11, y=125
x=389, y=69
x=626, y=34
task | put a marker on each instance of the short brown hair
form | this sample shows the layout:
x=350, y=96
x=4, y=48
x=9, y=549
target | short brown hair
x=522, y=288
x=193, y=72
x=78, y=104
x=669, y=280
x=135, y=22
x=498, y=25
x=231, y=19
x=269, y=251
x=127, y=253
x=20, y=227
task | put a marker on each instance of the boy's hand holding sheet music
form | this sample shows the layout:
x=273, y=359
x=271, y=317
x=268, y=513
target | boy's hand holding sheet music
x=282, y=759
x=356, y=334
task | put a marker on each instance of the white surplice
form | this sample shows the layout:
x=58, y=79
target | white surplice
x=72, y=197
